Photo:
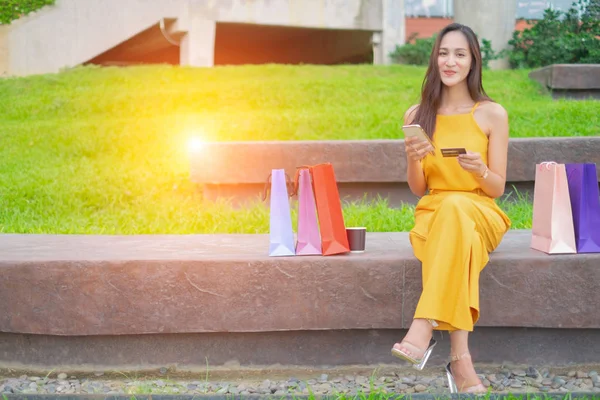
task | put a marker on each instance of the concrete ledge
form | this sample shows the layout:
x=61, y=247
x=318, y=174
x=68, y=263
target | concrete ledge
x=140, y=303
x=108, y=285
x=239, y=352
x=577, y=81
x=568, y=76
x=239, y=170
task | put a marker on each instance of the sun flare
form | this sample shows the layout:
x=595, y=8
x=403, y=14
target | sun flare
x=195, y=144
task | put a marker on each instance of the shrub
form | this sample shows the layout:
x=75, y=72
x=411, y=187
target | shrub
x=416, y=51
x=570, y=37
x=11, y=10
x=593, y=9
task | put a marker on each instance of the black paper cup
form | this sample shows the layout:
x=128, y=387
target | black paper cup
x=357, y=239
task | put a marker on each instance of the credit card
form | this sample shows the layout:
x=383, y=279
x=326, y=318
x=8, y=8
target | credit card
x=453, y=152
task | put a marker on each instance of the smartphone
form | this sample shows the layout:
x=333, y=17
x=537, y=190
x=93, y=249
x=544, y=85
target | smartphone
x=415, y=130
x=453, y=152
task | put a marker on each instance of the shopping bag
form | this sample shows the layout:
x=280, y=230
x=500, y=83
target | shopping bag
x=334, y=239
x=309, y=240
x=281, y=233
x=552, y=228
x=585, y=203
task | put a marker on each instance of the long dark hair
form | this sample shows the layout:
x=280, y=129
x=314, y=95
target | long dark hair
x=431, y=90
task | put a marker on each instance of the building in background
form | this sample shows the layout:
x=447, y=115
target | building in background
x=426, y=17
x=206, y=33
x=201, y=33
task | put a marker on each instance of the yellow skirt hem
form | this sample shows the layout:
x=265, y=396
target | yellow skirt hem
x=444, y=325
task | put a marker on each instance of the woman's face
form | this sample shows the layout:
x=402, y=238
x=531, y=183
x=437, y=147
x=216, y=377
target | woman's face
x=454, y=58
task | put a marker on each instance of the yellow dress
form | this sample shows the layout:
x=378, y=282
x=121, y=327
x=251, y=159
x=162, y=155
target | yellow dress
x=456, y=227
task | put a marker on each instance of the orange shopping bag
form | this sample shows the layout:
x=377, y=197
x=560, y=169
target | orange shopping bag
x=334, y=238
x=552, y=229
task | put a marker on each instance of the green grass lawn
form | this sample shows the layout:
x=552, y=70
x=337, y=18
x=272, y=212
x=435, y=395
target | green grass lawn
x=103, y=150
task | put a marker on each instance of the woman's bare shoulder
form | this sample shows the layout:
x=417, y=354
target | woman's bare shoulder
x=493, y=111
x=409, y=115
x=492, y=118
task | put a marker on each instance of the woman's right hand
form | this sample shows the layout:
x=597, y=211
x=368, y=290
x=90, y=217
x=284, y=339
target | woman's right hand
x=417, y=149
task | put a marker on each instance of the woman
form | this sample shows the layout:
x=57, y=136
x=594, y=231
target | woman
x=457, y=223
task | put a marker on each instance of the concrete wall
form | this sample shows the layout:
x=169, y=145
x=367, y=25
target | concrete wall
x=75, y=31
x=490, y=19
x=385, y=18
x=334, y=14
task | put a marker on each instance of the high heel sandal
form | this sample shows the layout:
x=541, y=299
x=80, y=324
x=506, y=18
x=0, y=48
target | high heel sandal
x=418, y=363
x=476, y=389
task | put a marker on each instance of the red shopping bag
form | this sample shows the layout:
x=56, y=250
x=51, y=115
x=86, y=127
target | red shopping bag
x=334, y=239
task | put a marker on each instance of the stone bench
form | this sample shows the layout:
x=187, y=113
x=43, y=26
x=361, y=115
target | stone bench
x=159, y=300
x=238, y=170
x=573, y=81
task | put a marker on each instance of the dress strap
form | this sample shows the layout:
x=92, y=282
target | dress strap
x=474, y=107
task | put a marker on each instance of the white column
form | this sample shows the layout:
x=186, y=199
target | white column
x=493, y=20
x=198, y=45
x=393, y=33
x=4, y=50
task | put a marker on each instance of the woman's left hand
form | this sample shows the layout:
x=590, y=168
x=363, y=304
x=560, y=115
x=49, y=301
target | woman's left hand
x=472, y=163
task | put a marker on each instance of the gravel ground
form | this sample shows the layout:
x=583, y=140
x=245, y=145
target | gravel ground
x=501, y=379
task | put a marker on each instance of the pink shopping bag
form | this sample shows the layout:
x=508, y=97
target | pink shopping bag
x=309, y=239
x=552, y=229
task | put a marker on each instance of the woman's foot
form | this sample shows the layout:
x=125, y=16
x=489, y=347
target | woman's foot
x=417, y=342
x=465, y=377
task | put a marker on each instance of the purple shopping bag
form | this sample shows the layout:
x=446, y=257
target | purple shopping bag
x=585, y=203
x=281, y=233
x=309, y=239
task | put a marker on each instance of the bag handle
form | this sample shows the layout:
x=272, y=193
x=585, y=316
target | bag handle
x=297, y=177
x=288, y=185
x=297, y=174
x=547, y=164
x=267, y=187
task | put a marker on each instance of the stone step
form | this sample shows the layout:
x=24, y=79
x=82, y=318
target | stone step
x=572, y=81
x=160, y=299
x=146, y=284
x=377, y=168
